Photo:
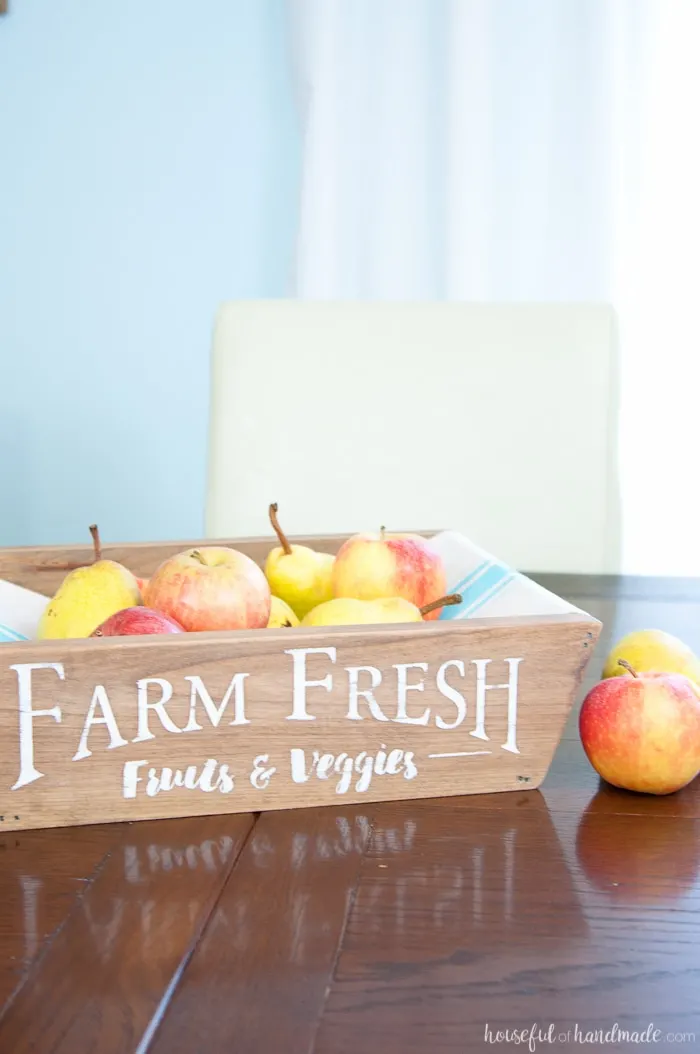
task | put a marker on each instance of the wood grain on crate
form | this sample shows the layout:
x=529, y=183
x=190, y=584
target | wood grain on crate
x=43, y=568
x=392, y=712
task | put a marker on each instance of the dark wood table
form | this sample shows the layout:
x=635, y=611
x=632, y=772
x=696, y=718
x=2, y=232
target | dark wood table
x=411, y=927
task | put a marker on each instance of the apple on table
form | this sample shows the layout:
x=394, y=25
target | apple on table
x=641, y=731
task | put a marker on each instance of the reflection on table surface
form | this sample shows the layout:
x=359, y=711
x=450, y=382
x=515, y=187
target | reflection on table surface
x=406, y=927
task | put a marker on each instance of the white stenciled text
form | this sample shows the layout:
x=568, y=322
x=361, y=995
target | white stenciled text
x=345, y=768
x=478, y=696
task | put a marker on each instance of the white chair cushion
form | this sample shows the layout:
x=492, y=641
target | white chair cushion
x=496, y=420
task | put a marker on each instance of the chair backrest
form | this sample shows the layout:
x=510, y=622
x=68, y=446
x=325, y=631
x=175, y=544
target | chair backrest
x=496, y=420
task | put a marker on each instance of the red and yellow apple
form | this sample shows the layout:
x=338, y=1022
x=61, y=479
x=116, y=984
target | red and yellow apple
x=137, y=620
x=641, y=731
x=377, y=566
x=210, y=588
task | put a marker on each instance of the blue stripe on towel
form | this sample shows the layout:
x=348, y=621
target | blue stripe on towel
x=7, y=634
x=477, y=590
x=497, y=589
x=476, y=573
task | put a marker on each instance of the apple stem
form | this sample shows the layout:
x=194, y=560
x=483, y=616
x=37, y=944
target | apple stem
x=381, y=533
x=626, y=666
x=278, y=530
x=196, y=555
x=96, y=544
x=441, y=602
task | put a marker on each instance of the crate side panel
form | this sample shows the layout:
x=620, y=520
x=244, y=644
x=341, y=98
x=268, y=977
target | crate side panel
x=129, y=728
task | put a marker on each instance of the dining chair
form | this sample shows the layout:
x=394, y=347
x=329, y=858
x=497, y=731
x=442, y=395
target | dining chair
x=497, y=420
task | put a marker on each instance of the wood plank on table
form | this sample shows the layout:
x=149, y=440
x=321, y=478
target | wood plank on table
x=572, y=783
x=101, y=983
x=257, y=981
x=42, y=873
x=319, y=932
x=496, y=921
x=672, y=589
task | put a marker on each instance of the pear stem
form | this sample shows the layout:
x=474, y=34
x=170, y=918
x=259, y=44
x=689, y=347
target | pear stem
x=625, y=665
x=96, y=543
x=278, y=530
x=441, y=602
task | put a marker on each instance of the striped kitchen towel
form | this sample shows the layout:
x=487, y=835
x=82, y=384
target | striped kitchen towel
x=20, y=611
x=488, y=586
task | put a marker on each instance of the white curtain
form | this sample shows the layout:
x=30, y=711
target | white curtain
x=511, y=150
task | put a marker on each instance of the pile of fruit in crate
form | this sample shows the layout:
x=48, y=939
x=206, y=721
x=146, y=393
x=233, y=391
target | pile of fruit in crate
x=374, y=578
x=640, y=725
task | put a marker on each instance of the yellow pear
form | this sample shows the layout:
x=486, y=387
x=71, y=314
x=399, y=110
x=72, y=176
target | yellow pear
x=281, y=614
x=297, y=574
x=653, y=649
x=345, y=611
x=87, y=596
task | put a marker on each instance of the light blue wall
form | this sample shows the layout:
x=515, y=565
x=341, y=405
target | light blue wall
x=148, y=163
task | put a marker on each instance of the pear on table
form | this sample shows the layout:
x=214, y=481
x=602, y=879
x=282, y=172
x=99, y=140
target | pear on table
x=653, y=650
x=348, y=611
x=297, y=574
x=88, y=596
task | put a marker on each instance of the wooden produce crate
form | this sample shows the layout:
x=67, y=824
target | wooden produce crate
x=129, y=728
